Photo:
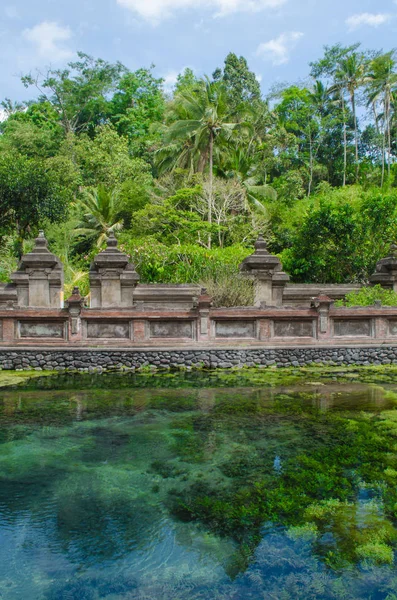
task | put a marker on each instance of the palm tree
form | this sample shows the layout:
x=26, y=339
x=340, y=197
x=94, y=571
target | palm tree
x=381, y=86
x=100, y=209
x=241, y=164
x=178, y=154
x=319, y=98
x=349, y=76
x=201, y=115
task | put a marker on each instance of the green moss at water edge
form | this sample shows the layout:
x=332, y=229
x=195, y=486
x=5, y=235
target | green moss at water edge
x=11, y=378
x=271, y=377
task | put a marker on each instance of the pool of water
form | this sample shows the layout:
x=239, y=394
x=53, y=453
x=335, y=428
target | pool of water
x=188, y=486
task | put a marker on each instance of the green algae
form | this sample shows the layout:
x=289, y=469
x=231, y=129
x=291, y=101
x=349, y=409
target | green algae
x=318, y=462
x=17, y=378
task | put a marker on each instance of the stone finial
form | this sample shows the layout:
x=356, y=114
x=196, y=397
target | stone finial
x=39, y=278
x=323, y=304
x=386, y=270
x=75, y=304
x=266, y=270
x=322, y=300
x=111, y=257
x=75, y=298
x=204, y=300
x=260, y=260
x=112, y=277
x=40, y=256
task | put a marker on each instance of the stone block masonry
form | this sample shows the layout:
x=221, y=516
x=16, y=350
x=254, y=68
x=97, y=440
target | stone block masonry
x=100, y=360
x=145, y=321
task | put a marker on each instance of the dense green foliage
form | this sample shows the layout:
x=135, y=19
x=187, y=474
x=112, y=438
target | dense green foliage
x=367, y=296
x=199, y=172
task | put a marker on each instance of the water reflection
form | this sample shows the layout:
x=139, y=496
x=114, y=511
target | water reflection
x=198, y=492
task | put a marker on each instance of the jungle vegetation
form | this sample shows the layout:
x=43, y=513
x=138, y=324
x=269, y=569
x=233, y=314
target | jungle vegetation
x=188, y=178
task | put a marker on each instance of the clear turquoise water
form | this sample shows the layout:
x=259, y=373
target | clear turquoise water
x=201, y=487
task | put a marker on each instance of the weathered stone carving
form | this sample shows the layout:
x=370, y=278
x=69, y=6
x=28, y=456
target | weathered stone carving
x=386, y=270
x=204, y=306
x=8, y=296
x=39, y=278
x=112, y=278
x=323, y=304
x=75, y=304
x=268, y=275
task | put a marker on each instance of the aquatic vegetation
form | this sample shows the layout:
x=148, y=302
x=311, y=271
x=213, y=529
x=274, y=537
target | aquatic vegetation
x=375, y=552
x=288, y=489
x=15, y=378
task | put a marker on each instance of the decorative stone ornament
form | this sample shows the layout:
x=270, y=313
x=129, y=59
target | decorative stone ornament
x=204, y=305
x=267, y=272
x=75, y=304
x=386, y=270
x=112, y=278
x=323, y=304
x=39, y=278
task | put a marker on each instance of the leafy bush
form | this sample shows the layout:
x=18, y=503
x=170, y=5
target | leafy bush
x=366, y=296
x=341, y=235
x=230, y=289
x=185, y=263
x=8, y=262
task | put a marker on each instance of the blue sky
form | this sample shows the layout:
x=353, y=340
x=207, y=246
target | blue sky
x=278, y=37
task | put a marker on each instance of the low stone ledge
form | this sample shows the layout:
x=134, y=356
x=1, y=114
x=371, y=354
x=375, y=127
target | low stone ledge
x=98, y=360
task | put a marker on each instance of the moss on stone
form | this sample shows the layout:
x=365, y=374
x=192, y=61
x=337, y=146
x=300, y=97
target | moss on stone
x=11, y=378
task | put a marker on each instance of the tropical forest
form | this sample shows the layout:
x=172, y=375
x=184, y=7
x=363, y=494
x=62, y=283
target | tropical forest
x=188, y=177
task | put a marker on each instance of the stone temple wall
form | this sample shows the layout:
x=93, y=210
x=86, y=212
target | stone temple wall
x=124, y=314
x=101, y=360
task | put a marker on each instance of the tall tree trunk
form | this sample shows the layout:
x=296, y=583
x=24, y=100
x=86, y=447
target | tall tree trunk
x=353, y=101
x=383, y=155
x=387, y=110
x=210, y=183
x=375, y=117
x=309, y=189
x=344, y=140
x=18, y=244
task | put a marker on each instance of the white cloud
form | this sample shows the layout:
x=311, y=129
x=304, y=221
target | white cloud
x=48, y=37
x=371, y=19
x=170, y=79
x=156, y=10
x=3, y=115
x=278, y=49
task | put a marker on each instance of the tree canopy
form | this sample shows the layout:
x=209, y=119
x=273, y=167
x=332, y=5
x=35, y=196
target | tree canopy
x=207, y=165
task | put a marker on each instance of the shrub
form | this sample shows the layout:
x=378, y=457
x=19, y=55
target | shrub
x=366, y=296
x=185, y=263
x=230, y=289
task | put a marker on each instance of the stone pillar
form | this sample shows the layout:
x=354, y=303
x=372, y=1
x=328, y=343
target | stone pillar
x=204, y=305
x=112, y=278
x=323, y=304
x=75, y=304
x=279, y=281
x=263, y=288
x=266, y=271
x=39, y=278
x=386, y=271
